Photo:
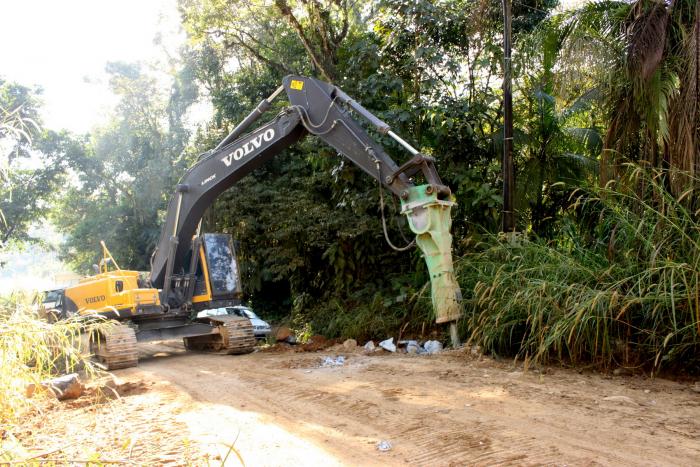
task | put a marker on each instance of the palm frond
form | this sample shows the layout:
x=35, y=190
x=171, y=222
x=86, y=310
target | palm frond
x=646, y=37
x=589, y=137
x=583, y=102
x=684, y=111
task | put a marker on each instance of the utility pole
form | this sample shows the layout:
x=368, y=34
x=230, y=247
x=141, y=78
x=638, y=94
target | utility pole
x=507, y=162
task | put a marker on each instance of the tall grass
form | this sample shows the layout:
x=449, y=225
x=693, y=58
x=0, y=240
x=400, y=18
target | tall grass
x=619, y=285
x=32, y=351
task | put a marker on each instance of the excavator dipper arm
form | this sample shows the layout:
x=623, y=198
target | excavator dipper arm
x=213, y=174
x=316, y=108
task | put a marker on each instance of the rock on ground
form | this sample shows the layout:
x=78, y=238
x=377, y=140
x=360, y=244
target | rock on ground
x=350, y=344
x=283, y=333
x=316, y=342
x=65, y=387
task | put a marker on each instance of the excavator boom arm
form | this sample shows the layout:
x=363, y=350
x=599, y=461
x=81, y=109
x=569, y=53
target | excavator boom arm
x=316, y=108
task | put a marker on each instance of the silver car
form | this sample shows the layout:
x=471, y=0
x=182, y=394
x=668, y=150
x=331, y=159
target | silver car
x=261, y=328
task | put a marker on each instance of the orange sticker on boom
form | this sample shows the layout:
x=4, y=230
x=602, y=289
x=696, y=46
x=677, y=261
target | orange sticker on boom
x=297, y=85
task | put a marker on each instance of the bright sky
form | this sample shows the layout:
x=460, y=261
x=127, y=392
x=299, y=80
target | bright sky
x=63, y=47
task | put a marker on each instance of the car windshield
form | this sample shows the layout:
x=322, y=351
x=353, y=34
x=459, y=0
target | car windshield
x=245, y=312
x=51, y=296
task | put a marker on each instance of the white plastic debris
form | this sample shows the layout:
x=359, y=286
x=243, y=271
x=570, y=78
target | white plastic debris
x=384, y=445
x=388, y=345
x=330, y=361
x=370, y=346
x=433, y=347
x=412, y=347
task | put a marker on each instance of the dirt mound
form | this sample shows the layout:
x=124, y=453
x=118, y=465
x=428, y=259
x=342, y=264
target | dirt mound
x=127, y=388
x=316, y=343
x=278, y=348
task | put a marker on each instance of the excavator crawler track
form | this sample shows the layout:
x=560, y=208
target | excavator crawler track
x=115, y=348
x=235, y=337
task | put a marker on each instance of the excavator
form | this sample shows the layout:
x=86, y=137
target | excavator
x=193, y=271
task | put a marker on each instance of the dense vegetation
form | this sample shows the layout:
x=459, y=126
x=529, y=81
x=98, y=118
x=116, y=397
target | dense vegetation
x=618, y=285
x=602, y=272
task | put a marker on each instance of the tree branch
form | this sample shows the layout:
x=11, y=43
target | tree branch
x=241, y=43
x=338, y=38
x=286, y=11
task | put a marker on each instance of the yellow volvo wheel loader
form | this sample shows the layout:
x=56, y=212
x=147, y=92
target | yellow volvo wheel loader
x=192, y=271
x=113, y=293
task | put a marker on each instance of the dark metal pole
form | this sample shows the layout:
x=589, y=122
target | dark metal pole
x=507, y=163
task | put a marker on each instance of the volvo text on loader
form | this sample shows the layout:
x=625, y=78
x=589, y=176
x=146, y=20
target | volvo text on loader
x=191, y=270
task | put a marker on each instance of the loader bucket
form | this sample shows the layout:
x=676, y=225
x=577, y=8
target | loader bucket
x=429, y=218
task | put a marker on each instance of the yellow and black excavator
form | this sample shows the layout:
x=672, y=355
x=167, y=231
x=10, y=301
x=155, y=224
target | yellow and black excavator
x=192, y=271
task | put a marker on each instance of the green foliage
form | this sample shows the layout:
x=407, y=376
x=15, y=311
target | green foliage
x=646, y=66
x=617, y=286
x=125, y=171
x=286, y=36
x=371, y=312
x=25, y=183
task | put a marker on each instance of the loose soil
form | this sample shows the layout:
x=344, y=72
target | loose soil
x=454, y=408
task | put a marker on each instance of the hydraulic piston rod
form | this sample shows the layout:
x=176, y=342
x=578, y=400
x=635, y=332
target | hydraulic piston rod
x=262, y=107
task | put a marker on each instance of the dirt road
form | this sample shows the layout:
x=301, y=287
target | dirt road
x=448, y=409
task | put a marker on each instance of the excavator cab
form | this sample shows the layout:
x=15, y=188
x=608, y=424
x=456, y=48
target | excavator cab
x=216, y=275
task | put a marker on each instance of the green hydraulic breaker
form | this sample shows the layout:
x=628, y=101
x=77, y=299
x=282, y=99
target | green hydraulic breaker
x=429, y=218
